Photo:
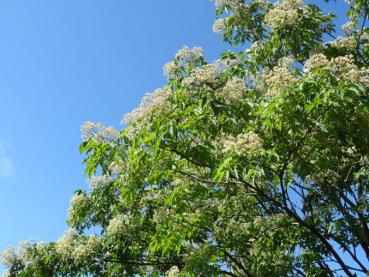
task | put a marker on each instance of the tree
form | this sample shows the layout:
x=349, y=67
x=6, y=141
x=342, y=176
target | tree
x=253, y=165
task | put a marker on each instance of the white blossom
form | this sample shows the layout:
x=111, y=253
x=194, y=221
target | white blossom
x=93, y=242
x=316, y=60
x=283, y=14
x=98, y=132
x=41, y=245
x=286, y=61
x=80, y=253
x=364, y=37
x=207, y=74
x=9, y=257
x=116, y=167
x=232, y=3
x=293, y=4
x=172, y=272
x=348, y=43
x=219, y=26
x=256, y=46
x=278, y=78
x=161, y=214
x=186, y=54
x=343, y=67
x=349, y=71
x=233, y=91
x=152, y=103
x=24, y=253
x=169, y=69
x=79, y=200
x=220, y=3
x=95, y=181
x=182, y=58
x=243, y=142
x=355, y=13
x=65, y=245
x=116, y=226
x=263, y=3
x=224, y=65
x=84, y=250
x=349, y=27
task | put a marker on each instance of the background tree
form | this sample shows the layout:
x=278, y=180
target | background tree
x=253, y=165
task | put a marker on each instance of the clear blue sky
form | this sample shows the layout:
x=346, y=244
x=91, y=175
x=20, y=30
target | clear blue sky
x=66, y=62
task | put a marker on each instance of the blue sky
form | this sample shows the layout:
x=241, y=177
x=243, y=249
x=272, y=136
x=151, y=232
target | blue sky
x=66, y=62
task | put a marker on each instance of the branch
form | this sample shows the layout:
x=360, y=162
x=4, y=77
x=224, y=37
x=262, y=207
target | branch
x=309, y=227
x=143, y=262
x=239, y=265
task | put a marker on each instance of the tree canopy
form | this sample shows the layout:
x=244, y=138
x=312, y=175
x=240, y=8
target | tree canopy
x=255, y=164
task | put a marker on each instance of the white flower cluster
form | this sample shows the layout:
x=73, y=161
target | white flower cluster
x=283, y=14
x=24, y=255
x=116, y=167
x=98, y=132
x=152, y=103
x=348, y=43
x=233, y=91
x=224, y=65
x=69, y=248
x=344, y=68
x=364, y=37
x=263, y=3
x=207, y=74
x=219, y=26
x=220, y=3
x=345, y=65
x=84, y=250
x=161, y=214
x=279, y=78
x=355, y=13
x=316, y=60
x=116, y=226
x=244, y=142
x=79, y=253
x=172, y=272
x=77, y=202
x=349, y=27
x=65, y=245
x=184, y=56
x=232, y=3
x=9, y=257
x=170, y=69
x=255, y=47
x=95, y=181
x=28, y=256
x=41, y=245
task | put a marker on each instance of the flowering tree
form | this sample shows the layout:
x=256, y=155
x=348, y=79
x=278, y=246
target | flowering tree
x=253, y=165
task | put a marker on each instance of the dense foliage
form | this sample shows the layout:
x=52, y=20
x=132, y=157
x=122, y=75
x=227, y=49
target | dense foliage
x=253, y=165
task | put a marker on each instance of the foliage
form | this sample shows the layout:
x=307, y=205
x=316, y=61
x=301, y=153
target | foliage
x=253, y=165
